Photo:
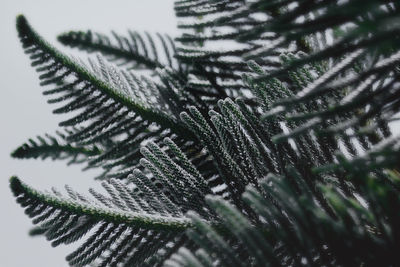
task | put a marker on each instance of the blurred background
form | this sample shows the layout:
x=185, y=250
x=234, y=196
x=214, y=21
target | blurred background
x=24, y=112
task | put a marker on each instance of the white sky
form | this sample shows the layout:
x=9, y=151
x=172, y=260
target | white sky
x=24, y=112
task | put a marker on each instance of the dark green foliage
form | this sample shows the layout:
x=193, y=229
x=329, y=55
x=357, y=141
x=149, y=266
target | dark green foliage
x=125, y=50
x=64, y=220
x=297, y=231
x=259, y=137
x=51, y=147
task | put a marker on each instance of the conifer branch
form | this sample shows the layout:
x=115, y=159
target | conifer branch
x=32, y=40
x=145, y=221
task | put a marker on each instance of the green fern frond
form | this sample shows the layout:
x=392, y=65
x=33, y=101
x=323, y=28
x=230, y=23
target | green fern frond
x=132, y=51
x=66, y=219
x=51, y=147
x=113, y=216
x=58, y=67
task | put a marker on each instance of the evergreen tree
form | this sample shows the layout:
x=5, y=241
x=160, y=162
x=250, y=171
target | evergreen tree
x=259, y=137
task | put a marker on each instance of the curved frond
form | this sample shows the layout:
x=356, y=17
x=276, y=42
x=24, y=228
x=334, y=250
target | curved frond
x=113, y=219
x=56, y=149
x=131, y=51
x=86, y=88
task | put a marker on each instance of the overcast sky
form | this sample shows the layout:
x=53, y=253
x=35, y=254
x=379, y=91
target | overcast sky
x=24, y=112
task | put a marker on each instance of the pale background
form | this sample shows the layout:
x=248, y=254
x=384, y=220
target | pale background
x=24, y=112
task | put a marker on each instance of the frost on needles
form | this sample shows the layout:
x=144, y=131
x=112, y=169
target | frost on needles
x=261, y=136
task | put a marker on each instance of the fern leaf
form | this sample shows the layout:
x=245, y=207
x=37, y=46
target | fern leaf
x=92, y=85
x=55, y=149
x=128, y=51
x=68, y=219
